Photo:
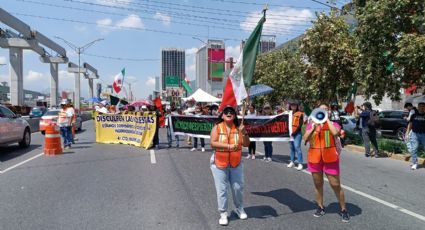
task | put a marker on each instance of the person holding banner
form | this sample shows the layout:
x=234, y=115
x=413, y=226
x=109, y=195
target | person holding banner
x=323, y=157
x=252, y=146
x=268, y=146
x=227, y=138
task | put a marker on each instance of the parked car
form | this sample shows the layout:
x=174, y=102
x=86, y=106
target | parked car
x=37, y=112
x=349, y=124
x=13, y=128
x=51, y=116
x=393, y=123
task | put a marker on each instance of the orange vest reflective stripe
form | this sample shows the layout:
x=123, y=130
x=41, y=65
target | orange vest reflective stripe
x=296, y=120
x=224, y=157
x=322, y=146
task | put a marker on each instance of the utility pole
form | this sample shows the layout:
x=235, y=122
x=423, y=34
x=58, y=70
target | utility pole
x=79, y=51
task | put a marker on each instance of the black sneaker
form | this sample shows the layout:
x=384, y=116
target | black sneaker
x=345, y=216
x=367, y=155
x=319, y=212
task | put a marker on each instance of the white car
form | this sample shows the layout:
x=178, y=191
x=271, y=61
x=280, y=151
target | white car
x=51, y=116
x=13, y=128
x=349, y=124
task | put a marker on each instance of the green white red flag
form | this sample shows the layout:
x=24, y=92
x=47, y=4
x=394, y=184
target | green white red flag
x=240, y=77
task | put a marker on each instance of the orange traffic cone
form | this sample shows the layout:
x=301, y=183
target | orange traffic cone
x=52, y=140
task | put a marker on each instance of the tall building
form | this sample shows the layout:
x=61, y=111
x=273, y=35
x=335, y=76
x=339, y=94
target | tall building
x=267, y=43
x=172, y=67
x=210, y=63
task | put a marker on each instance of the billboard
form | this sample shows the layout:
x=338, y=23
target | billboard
x=216, y=61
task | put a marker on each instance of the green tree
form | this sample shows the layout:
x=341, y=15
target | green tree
x=283, y=70
x=329, y=51
x=390, y=39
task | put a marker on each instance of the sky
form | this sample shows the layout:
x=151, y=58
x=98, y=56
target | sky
x=134, y=31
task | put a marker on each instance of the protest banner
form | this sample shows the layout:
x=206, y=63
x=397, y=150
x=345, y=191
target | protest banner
x=131, y=129
x=261, y=128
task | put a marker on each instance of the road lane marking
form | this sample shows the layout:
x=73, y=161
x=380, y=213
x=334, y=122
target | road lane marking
x=21, y=163
x=153, y=159
x=376, y=199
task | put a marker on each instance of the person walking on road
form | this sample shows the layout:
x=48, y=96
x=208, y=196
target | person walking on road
x=295, y=143
x=323, y=157
x=416, y=129
x=252, y=145
x=200, y=112
x=227, y=138
x=268, y=147
x=368, y=128
x=64, y=122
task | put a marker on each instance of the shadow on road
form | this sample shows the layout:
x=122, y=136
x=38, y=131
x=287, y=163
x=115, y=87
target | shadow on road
x=353, y=209
x=259, y=212
x=289, y=198
x=13, y=151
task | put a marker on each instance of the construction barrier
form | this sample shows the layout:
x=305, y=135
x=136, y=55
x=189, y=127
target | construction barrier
x=52, y=140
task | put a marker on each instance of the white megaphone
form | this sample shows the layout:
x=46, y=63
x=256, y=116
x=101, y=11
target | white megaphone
x=319, y=116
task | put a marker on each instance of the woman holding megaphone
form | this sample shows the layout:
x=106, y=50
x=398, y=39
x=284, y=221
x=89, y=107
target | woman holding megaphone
x=323, y=157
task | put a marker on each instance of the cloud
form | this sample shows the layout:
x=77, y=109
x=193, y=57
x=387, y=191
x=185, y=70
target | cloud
x=104, y=22
x=34, y=76
x=233, y=51
x=132, y=21
x=279, y=21
x=3, y=60
x=80, y=28
x=114, y=3
x=150, y=81
x=191, y=51
x=166, y=20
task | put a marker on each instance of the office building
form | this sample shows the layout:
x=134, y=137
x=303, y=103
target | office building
x=210, y=64
x=172, y=67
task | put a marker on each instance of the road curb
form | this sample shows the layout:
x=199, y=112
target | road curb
x=396, y=156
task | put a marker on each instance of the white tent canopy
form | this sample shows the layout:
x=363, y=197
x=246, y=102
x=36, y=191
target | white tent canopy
x=201, y=96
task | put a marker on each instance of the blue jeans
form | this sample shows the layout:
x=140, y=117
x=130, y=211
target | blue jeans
x=415, y=140
x=170, y=137
x=268, y=148
x=295, y=147
x=195, y=142
x=66, y=133
x=222, y=179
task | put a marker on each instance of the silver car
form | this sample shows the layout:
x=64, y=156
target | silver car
x=13, y=128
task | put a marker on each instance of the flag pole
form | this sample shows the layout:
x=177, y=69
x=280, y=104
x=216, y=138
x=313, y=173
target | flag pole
x=246, y=102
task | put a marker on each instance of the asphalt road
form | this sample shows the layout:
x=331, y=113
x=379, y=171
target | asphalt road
x=98, y=186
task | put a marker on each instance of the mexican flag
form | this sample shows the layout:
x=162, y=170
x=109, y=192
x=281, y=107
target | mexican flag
x=349, y=108
x=119, y=81
x=240, y=77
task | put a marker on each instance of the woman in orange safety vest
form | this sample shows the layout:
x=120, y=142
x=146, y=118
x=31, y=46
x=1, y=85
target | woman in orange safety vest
x=227, y=138
x=323, y=157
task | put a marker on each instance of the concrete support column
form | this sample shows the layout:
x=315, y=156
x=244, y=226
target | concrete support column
x=90, y=91
x=54, y=84
x=16, y=76
x=77, y=91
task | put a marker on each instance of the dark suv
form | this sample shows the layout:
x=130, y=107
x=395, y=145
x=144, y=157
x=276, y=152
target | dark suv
x=393, y=123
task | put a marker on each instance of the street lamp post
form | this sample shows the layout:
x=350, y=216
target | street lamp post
x=79, y=51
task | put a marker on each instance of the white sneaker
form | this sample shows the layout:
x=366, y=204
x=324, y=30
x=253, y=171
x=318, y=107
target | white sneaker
x=414, y=166
x=223, y=219
x=203, y=149
x=269, y=159
x=300, y=167
x=253, y=157
x=291, y=164
x=264, y=159
x=193, y=149
x=249, y=156
x=241, y=213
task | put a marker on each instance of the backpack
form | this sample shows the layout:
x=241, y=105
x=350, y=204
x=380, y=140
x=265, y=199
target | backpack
x=374, y=119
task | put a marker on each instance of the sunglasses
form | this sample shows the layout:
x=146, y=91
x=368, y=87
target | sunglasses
x=231, y=112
